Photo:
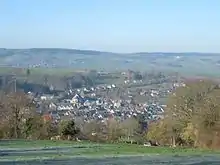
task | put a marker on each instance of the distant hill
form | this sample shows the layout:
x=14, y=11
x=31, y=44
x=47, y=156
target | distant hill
x=187, y=63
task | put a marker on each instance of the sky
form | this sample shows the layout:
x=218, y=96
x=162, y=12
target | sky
x=112, y=25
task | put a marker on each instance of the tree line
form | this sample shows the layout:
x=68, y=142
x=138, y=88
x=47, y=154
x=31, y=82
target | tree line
x=192, y=119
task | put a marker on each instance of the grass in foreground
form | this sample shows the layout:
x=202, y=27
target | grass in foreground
x=69, y=149
x=33, y=143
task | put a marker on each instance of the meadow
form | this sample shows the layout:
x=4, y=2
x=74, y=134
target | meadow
x=33, y=151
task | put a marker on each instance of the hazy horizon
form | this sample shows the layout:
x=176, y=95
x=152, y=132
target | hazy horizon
x=110, y=51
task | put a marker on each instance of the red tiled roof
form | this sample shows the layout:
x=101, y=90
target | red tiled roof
x=47, y=117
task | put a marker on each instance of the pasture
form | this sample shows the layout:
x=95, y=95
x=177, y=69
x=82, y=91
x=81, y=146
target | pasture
x=65, y=152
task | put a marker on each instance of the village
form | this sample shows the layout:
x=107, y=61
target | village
x=105, y=101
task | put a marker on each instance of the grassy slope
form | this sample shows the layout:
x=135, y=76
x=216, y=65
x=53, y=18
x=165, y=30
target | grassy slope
x=73, y=149
x=39, y=71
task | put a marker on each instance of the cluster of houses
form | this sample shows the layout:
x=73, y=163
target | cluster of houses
x=92, y=104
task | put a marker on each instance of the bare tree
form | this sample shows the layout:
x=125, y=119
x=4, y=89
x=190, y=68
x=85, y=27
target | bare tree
x=130, y=127
x=15, y=109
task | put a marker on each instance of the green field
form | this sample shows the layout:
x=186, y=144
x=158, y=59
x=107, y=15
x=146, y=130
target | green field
x=40, y=150
x=40, y=71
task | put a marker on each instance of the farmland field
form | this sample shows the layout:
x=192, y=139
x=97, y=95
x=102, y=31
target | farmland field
x=64, y=61
x=63, y=152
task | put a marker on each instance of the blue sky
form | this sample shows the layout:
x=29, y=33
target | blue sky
x=112, y=25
